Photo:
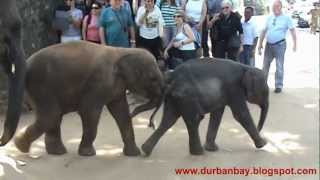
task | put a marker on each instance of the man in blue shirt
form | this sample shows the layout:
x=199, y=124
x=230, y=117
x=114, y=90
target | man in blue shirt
x=115, y=25
x=275, y=31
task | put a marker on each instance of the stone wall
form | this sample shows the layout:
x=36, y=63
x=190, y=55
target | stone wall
x=37, y=33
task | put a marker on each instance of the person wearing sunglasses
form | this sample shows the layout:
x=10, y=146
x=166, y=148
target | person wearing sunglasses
x=73, y=32
x=182, y=47
x=276, y=28
x=228, y=33
x=90, y=27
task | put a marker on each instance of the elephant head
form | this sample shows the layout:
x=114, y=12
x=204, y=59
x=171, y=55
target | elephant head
x=13, y=63
x=148, y=83
x=257, y=91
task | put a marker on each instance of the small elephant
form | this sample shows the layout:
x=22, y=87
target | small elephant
x=83, y=77
x=12, y=61
x=207, y=86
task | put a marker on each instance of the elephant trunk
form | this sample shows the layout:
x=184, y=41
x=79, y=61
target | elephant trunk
x=263, y=115
x=16, y=80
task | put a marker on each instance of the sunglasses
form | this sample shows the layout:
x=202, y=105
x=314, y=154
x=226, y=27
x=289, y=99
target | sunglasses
x=274, y=21
x=227, y=7
x=177, y=16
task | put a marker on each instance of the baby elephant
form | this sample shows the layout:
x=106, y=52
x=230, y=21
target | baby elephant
x=207, y=86
x=84, y=77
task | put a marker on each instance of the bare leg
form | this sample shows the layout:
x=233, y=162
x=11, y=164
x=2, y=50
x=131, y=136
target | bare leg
x=241, y=113
x=90, y=115
x=170, y=116
x=214, y=123
x=120, y=111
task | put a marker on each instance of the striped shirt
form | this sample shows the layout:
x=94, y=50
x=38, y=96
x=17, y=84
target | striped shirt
x=168, y=13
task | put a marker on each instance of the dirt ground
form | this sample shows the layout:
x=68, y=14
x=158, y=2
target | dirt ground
x=292, y=131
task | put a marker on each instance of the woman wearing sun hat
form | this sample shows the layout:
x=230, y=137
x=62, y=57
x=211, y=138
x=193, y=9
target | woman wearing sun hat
x=182, y=46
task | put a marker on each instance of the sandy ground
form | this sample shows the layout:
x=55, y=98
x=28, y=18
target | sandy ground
x=292, y=130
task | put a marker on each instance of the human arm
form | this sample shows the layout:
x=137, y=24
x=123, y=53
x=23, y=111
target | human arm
x=262, y=36
x=213, y=20
x=240, y=30
x=294, y=39
x=203, y=17
x=188, y=32
x=84, y=28
x=102, y=35
x=141, y=15
x=76, y=19
x=255, y=41
x=133, y=36
x=166, y=55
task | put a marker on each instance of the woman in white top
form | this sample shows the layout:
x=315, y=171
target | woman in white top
x=196, y=11
x=182, y=46
x=150, y=22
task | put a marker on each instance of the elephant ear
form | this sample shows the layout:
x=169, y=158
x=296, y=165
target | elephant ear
x=254, y=82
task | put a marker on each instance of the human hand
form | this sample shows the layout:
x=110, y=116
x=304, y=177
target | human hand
x=177, y=44
x=260, y=49
x=240, y=49
x=253, y=53
x=165, y=54
x=294, y=48
x=198, y=26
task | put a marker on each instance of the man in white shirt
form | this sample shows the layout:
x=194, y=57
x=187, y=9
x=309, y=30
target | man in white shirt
x=250, y=38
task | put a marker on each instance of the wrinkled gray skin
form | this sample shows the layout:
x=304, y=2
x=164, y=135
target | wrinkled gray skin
x=84, y=77
x=13, y=63
x=207, y=86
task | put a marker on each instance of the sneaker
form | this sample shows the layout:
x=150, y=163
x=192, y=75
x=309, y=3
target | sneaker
x=277, y=90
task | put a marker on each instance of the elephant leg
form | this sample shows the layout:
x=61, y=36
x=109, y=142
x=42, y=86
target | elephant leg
x=169, y=118
x=241, y=113
x=24, y=140
x=214, y=123
x=53, y=140
x=90, y=116
x=119, y=109
x=192, y=122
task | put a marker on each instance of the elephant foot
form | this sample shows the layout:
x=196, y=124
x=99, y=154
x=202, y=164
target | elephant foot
x=211, y=146
x=132, y=151
x=22, y=144
x=87, y=151
x=146, y=149
x=56, y=149
x=196, y=150
x=259, y=144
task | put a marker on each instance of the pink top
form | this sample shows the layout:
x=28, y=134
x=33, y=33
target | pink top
x=92, y=29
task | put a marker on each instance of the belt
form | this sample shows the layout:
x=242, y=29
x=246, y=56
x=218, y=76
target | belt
x=278, y=42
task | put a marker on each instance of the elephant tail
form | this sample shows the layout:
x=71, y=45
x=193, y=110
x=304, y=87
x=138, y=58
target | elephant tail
x=151, y=120
x=16, y=79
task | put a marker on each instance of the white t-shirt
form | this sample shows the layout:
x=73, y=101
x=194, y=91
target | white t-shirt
x=182, y=37
x=194, y=9
x=152, y=27
x=73, y=31
x=250, y=32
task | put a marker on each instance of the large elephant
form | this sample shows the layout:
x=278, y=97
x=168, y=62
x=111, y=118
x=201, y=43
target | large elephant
x=207, y=86
x=13, y=63
x=83, y=77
